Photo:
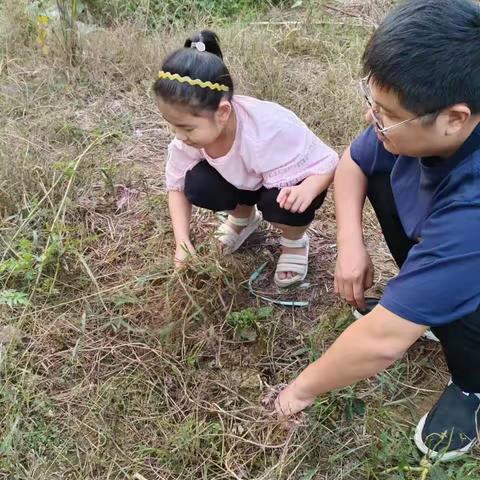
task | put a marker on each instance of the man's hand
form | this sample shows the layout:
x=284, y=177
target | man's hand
x=353, y=273
x=292, y=400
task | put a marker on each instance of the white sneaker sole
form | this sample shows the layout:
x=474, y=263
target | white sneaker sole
x=442, y=457
x=429, y=335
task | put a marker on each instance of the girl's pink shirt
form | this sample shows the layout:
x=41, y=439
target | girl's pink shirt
x=272, y=148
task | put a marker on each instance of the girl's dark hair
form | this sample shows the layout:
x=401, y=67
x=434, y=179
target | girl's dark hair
x=206, y=66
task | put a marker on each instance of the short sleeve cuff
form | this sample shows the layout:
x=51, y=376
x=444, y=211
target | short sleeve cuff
x=405, y=312
x=362, y=150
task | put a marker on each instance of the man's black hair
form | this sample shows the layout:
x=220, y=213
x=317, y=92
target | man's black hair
x=428, y=52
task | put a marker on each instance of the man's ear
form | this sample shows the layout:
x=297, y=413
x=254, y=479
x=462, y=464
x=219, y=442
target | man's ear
x=455, y=118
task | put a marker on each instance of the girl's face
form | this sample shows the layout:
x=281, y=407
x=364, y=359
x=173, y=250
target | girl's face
x=196, y=130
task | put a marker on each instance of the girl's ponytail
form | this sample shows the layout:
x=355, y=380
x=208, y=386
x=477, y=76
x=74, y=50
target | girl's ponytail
x=209, y=39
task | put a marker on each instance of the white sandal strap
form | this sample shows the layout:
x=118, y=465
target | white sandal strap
x=300, y=243
x=241, y=222
x=289, y=262
x=293, y=259
x=226, y=229
x=232, y=239
x=290, y=267
x=226, y=234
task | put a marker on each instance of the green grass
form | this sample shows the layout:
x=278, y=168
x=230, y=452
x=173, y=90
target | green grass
x=111, y=366
x=158, y=13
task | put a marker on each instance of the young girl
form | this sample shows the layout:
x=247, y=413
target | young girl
x=238, y=154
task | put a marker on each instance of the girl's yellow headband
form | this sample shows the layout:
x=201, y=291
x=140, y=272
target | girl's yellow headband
x=191, y=81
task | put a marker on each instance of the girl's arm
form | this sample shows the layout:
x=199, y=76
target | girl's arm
x=180, y=213
x=317, y=184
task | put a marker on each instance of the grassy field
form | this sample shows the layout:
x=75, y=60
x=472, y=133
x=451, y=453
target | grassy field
x=114, y=367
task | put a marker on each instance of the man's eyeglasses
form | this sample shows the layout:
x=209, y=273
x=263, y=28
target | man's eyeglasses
x=371, y=106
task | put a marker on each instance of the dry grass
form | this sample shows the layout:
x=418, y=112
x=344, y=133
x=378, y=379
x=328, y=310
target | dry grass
x=117, y=368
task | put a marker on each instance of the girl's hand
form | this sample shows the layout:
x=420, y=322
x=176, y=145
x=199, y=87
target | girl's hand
x=292, y=400
x=182, y=252
x=296, y=199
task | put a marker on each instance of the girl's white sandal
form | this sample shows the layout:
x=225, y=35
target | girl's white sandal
x=289, y=262
x=233, y=240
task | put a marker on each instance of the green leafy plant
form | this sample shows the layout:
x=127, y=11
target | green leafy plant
x=245, y=322
x=13, y=298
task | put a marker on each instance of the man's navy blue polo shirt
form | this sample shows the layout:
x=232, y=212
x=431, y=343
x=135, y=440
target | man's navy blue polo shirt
x=438, y=201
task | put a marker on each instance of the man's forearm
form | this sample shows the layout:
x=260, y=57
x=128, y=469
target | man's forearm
x=367, y=347
x=350, y=359
x=350, y=189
